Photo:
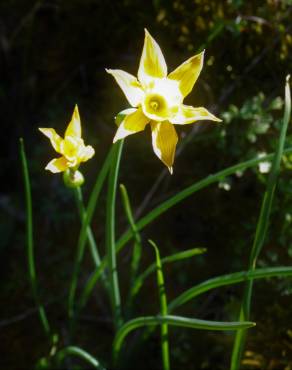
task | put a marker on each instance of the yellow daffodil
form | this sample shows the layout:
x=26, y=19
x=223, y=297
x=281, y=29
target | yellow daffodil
x=157, y=98
x=72, y=148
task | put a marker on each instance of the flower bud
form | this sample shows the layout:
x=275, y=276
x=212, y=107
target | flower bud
x=73, y=179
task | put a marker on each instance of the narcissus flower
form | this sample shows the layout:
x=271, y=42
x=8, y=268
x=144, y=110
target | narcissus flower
x=72, y=148
x=157, y=98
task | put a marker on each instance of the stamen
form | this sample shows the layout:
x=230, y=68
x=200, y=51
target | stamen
x=154, y=105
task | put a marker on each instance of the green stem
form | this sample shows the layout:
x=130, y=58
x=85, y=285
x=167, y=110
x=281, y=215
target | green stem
x=261, y=231
x=84, y=230
x=163, y=309
x=92, y=245
x=136, y=256
x=110, y=234
x=30, y=242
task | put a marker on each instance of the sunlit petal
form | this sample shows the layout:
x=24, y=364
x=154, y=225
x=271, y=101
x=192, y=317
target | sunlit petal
x=134, y=122
x=188, y=114
x=187, y=73
x=55, y=139
x=129, y=84
x=74, y=127
x=152, y=62
x=164, y=140
x=58, y=165
x=87, y=153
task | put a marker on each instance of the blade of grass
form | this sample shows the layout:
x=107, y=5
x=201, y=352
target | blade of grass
x=84, y=229
x=163, y=308
x=30, y=243
x=179, y=321
x=210, y=179
x=110, y=234
x=261, y=231
x=137, y=249
x=229, y=279
x=77, y=352
x=168, y=259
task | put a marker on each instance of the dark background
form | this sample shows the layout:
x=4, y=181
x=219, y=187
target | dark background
x=53, y=54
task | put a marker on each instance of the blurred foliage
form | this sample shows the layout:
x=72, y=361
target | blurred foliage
x=52, y=55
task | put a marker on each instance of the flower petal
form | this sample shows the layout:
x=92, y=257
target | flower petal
x=87, y=153
x=129, y=84
x=74, y=126
x=58, y=165
x=55, y=139
x=187, y=73
x=188, y=114
x=164, y=140
x=152, y=62
x=133, y=122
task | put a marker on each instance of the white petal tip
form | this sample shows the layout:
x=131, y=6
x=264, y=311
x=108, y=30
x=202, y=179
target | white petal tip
x=170, y=169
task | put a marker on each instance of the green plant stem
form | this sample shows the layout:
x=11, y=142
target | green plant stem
x=30, y=243
x=92, y=244
x=110, y=234
x=77, y=352
x=137, y=249
x=86, y=220
x=163, y=309
x=174, y=321
x=261, y=232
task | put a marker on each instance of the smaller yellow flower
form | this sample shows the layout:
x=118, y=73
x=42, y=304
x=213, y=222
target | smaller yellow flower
x=72, y=148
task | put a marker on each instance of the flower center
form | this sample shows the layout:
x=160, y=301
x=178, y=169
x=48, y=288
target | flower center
x=162, y=99
x=71, y=148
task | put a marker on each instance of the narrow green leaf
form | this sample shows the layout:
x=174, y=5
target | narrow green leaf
x=84, y=231
x=136, y=256
x=110, y=234
x=179, y=321
x=163, y=308
x=261, y=231
x=156, y=212
x=168, y=259
x=30, y=242
x=78, y=352
x=229, y=279
x=210, y=179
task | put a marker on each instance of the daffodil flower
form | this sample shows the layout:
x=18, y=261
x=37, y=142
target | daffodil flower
x=157, y=98
x=72, y=148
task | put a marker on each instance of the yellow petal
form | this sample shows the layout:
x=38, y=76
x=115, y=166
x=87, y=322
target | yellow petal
x=187, y=73
x=133, y=122
x=55, y=139
x=87, y=153
x=58, y=165
x=152, y=63
x=188, y=114
x=129, y=84
x=164, y=140
x=74, y=127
